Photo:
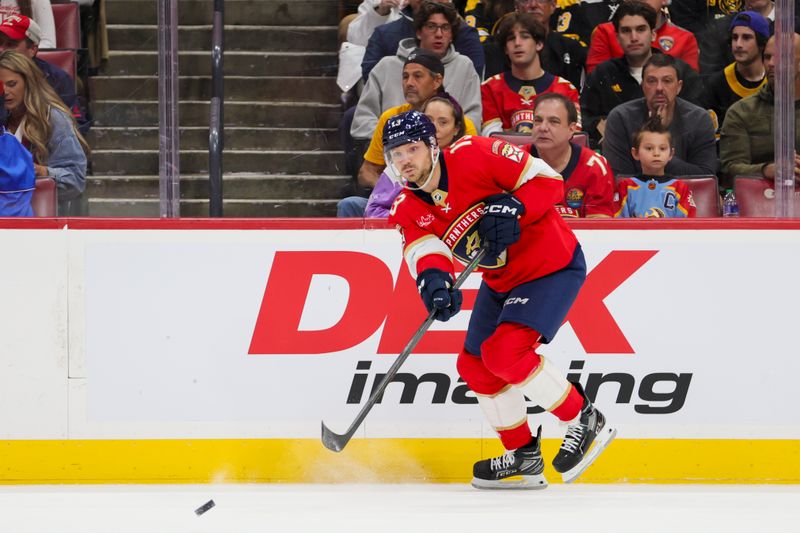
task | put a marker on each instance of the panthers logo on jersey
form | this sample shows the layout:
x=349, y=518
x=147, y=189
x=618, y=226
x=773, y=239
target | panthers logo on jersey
x=655, y=212
x=463, y=238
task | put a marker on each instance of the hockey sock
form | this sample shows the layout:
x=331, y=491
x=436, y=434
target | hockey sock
x=548, y=388
x=502, y=404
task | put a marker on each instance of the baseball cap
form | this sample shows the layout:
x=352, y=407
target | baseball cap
x=427, y=59
x=17, y=27
x=754, y=21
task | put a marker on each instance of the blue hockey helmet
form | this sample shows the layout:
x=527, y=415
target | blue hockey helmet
x=408, y=127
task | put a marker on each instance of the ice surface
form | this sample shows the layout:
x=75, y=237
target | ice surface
x=407, y=508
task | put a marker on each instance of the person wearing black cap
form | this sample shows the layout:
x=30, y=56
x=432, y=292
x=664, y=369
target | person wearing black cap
x=747, y=138
x=436, y=25
x=748, y=35
x=422, y=78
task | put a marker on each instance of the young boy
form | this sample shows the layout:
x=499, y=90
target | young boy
x=653, y=194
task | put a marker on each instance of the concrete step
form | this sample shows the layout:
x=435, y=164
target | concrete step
x=232, y=208
x=237, y=88
x=145, y=162
x=196, y=113
x=237, y=12
x=198, y=63
x=247, y=38
x=235, y=186
x=236, y=138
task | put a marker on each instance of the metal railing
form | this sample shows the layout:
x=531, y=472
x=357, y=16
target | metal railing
x=216, y=132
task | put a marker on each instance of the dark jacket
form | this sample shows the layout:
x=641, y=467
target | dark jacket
x=386, y=38
x=747, y=139
x=561, y=56
x=611, y=84
x=692, y=135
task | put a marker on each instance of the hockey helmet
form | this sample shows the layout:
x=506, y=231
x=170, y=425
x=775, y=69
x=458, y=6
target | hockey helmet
x=408, y=127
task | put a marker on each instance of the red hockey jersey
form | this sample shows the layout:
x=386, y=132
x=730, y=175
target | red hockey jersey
x=588, y=184
x=443, y=225
x=670, y=39
x=508, y=110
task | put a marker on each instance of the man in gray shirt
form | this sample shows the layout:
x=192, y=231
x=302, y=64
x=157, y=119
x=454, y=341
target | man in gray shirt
x=690, y=126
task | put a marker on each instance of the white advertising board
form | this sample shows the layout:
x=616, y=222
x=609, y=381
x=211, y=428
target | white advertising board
x=235, y=334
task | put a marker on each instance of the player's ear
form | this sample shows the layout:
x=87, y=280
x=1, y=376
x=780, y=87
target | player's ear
x=635, y=153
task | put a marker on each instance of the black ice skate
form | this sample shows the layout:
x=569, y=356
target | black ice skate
x=518, y=469
x=577, y=453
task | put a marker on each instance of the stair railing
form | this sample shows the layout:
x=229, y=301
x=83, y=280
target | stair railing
x=216, y=132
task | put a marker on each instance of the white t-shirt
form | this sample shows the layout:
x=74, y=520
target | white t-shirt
x=636, y=72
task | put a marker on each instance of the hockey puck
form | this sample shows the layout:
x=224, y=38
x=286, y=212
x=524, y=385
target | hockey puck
x=205, y=507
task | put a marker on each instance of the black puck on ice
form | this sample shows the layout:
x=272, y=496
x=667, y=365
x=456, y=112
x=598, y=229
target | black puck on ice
x=205, y=507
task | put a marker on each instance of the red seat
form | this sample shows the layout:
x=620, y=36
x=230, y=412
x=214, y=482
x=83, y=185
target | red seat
x=756, y=196
x=705, y=192
x=64, y=59
x=45, y=198
x=68, y=25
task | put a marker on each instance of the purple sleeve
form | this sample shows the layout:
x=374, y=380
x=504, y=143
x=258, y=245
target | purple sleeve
x=382, y=197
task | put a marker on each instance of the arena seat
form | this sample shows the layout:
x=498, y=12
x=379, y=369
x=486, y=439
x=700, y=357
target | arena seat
x=45, y=198
x=705, y=192
x=756, y=196
x=67, y=18
x=64, y=59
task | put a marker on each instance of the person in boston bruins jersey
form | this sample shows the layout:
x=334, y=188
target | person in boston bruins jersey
x=482, y=193
x=749, y=33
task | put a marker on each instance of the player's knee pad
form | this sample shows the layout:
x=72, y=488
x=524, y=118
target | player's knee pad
x=508, y=353
x=477, y=376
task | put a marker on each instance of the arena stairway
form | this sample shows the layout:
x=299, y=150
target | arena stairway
x=282, y=150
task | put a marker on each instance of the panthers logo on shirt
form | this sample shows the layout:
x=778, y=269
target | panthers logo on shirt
x=463, y=239
x=574, y=198
x=666, y=43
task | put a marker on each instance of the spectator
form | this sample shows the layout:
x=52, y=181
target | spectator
x=689, y=125
x=653, y=193
x=447, y=116
x=42, y=123
x=714, y=40
x=354, y=32
x=577, y=18
x=486, y=14
x=39, y=10
x=561, y=55
x=436, y=24
x=670, y=39
x=588, y=181
x=422, y=78
x=619, y=80
x=749, y=33
x=508, y=98
x=696, y=15
x=22, y=34
x=17, y=180
x=385, y=40
x=746, y=144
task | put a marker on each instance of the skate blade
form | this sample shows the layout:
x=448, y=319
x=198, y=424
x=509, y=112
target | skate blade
x=536, y=482
x=600, y=442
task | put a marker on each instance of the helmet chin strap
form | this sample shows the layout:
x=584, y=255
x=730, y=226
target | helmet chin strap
x=434, y=160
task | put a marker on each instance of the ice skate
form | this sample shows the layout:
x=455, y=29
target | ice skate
x=577, y=453
x=519, y=469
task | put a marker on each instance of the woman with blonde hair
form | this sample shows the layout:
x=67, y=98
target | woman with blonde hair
x=39, y=119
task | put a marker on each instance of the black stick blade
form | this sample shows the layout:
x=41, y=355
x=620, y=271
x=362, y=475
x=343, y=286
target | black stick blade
x=333, y=441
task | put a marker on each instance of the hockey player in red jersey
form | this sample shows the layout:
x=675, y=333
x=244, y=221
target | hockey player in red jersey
x=482, y=192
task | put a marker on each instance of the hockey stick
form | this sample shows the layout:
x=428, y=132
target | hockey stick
x=335, y=442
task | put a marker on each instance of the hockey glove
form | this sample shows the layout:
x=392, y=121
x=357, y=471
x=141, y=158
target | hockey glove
x=436, y=288
x=499, y=227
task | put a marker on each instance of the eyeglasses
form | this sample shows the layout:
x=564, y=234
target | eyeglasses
x=433, y=27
